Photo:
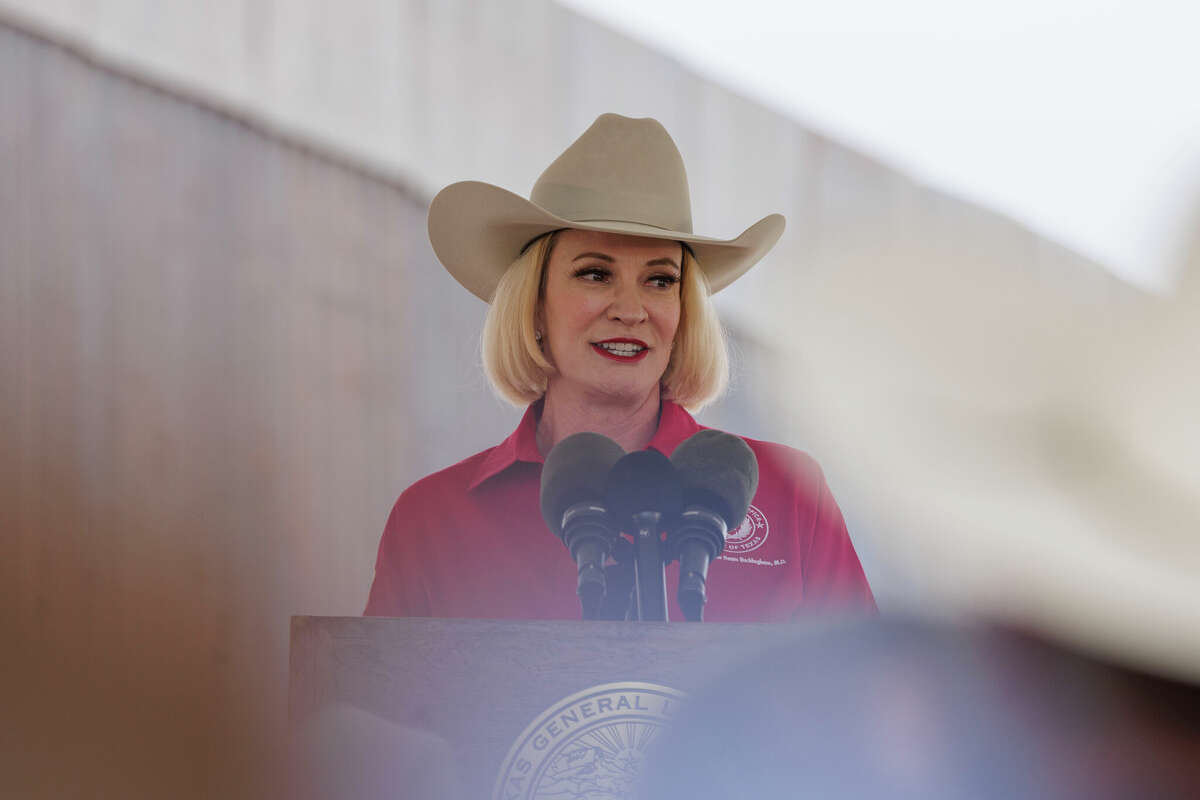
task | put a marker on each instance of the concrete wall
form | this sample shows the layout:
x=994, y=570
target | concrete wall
x=223, y=356
x=442, y=90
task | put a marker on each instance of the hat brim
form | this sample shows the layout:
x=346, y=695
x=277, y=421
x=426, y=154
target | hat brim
x=478, y=229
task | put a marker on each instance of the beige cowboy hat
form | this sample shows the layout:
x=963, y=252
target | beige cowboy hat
x=622, y=176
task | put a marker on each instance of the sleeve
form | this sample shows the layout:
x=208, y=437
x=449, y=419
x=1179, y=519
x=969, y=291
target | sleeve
x=398, y=589
x=834, y=580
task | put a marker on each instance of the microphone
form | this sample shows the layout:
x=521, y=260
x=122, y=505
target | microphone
x=718, y=474
x=642, y=482
x=644, y=495
x=573, y=506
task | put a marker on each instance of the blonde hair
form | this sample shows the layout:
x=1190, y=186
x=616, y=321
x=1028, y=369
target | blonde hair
x=518, y=370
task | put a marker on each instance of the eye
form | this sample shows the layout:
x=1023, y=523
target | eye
x=663, y=281
x=592, y=274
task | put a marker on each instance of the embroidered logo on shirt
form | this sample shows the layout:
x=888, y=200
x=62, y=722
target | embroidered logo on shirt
x=750, y=535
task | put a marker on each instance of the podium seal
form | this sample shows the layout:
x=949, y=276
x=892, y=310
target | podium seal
x=588, y=746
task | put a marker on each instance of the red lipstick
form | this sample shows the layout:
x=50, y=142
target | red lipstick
x=625, y=355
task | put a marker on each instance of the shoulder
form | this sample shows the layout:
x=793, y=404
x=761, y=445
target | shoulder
x=781, y=453
x=780, y=461
x=445, y=484
x=788, y=477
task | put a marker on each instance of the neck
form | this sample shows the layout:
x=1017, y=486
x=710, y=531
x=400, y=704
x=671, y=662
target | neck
x=631, y=424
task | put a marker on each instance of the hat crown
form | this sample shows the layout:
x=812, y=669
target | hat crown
x=619, y=170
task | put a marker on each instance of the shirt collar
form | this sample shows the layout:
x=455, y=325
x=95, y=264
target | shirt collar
x=674, y=425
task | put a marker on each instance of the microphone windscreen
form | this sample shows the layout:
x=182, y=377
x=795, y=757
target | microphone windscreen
x=575, y=472
x=643, y=481
x=718, y=471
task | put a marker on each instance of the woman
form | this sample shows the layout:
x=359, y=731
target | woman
x=600, y=320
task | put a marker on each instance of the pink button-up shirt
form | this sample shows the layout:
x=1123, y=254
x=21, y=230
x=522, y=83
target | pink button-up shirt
x=469, y=541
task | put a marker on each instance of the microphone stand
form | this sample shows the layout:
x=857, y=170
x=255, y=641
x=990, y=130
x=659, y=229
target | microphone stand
x=650, y=584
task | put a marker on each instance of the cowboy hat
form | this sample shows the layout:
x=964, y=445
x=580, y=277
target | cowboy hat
x=621, y=176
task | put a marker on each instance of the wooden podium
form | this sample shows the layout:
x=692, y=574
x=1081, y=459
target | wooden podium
x=514, y=708
x=873, y=708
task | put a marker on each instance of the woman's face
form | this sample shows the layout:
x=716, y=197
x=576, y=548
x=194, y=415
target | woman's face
x=609, y=312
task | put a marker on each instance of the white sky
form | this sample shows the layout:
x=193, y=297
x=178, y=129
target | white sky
x=1079, y=118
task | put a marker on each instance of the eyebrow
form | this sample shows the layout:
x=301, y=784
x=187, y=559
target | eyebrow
x=658, y=262
x=664, y=262
x=600, y=256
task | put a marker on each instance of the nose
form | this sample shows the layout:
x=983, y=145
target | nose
x=627, y=305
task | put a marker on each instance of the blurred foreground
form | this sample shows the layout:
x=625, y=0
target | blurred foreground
x=895, y=709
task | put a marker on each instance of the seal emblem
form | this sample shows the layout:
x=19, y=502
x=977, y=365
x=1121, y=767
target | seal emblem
x=750, y=535
x=588, y=746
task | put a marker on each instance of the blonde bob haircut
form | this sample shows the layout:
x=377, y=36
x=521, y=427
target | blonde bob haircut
x=518, y=370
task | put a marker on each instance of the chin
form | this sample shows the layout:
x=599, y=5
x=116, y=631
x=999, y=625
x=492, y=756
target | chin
x=620, y=392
